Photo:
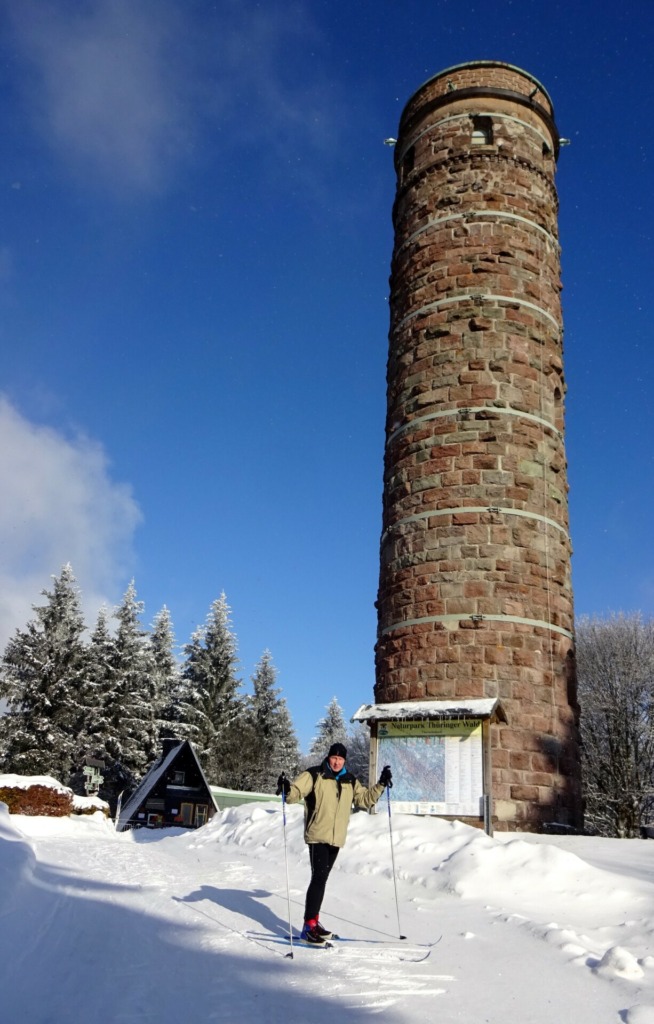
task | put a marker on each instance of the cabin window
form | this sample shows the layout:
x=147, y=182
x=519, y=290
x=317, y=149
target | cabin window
x=201, y=815
x=482, y=131
x=154, y=804
x=187, y=814
x=177, y=778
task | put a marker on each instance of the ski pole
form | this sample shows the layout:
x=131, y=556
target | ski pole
x=390, y=831
x=288, y=888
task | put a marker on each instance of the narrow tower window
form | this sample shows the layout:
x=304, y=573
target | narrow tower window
x=408, y=162
x=482, y=131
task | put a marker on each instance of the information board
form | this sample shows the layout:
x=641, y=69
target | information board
x=437, y=765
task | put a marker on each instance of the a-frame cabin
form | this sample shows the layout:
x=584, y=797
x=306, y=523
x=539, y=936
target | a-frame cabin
x=173, y=793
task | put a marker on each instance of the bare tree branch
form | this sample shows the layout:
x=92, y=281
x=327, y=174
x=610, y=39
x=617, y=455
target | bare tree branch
x=615, y=661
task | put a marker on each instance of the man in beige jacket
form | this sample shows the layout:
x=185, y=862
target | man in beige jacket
x=329, y=792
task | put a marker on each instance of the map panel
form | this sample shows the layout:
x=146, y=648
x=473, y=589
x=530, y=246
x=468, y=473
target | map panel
x=437, y=766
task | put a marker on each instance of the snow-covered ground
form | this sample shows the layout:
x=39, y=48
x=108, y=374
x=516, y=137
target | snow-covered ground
x=170, y=927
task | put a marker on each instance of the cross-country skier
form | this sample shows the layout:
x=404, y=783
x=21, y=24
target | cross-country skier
x=329, y=792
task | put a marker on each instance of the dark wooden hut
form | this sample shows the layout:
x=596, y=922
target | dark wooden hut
x=173, y=793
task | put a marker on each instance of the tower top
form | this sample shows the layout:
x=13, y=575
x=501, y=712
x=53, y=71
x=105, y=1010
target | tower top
x=478, y=79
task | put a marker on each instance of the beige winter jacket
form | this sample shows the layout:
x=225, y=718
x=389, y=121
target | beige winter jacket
x=328, y=803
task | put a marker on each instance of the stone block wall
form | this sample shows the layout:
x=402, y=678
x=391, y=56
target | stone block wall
x=475, y=596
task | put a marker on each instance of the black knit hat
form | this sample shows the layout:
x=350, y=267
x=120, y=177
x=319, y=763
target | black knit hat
x=337, y=750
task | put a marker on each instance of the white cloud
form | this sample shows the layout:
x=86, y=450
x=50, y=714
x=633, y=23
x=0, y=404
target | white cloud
x=125, y=91
x=105, y=87
x=58, y=505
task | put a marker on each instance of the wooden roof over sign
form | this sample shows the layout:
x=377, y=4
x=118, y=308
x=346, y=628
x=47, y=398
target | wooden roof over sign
x=478, y=707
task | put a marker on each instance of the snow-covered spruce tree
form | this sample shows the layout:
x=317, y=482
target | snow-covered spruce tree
x=236, y=754
x=134, y=704
x=615, y=665
x=101, y=675
x=270, y=729
x=105, y=720
x=358, y=752
x=209, y=689
x=166, y=674
x=286, y=757
x=330, y=729
x=43, y=678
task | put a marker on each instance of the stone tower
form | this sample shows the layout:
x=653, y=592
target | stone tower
x=475, y=596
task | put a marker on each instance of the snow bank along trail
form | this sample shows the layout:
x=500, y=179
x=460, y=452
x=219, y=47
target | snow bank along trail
x=148, y=926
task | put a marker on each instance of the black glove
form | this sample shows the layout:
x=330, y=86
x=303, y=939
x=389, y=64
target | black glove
x=283, y=786
x=386, y=777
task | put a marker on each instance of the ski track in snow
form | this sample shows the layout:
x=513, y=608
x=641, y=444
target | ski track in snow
x=151, y=926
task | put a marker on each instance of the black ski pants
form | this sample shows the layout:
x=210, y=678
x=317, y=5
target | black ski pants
x=322, y=857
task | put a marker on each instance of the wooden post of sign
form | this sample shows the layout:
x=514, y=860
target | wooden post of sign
x=487, y=776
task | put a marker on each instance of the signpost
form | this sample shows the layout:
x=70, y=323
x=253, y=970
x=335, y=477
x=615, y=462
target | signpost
x=93, y=777
x=440, y=752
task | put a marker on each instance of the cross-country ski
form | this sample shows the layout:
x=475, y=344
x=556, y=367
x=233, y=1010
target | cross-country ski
x=354, y=950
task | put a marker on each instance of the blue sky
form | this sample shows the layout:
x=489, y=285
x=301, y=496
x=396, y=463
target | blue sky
x=195, y=241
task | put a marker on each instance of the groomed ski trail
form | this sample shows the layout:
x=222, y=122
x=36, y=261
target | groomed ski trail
x=138, y=927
